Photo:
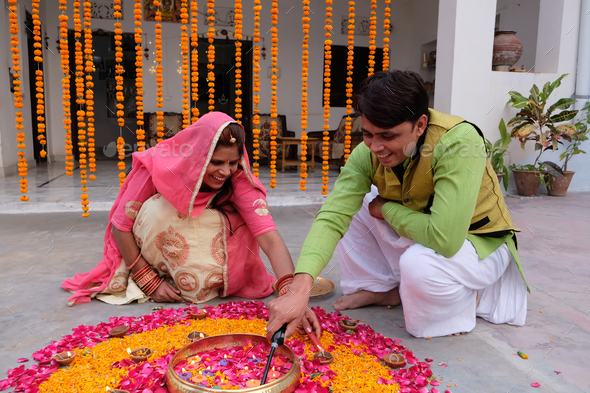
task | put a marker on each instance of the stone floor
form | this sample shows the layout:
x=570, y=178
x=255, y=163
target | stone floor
x=40, y=250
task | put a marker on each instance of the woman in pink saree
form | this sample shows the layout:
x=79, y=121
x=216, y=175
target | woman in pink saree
x=187, y=224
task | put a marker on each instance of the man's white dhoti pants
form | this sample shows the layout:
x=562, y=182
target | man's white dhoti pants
x=438, y=294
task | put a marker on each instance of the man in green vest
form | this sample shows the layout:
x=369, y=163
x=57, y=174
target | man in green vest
x=418, y=218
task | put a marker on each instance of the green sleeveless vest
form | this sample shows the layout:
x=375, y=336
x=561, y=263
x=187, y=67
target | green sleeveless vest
x=491, y=216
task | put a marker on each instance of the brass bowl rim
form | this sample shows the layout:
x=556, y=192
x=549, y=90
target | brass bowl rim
x=175, y=360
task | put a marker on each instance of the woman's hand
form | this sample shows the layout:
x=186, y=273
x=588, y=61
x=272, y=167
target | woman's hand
x=165, y=293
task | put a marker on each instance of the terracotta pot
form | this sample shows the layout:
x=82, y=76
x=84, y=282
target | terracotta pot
x=500, y=177
x=527, y=182
x=507, y=48
x=558, y=185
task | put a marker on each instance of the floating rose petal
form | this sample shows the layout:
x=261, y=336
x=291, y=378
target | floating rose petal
x=535, y=384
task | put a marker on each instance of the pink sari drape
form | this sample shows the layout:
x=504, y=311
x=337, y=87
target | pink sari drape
x=175, y=169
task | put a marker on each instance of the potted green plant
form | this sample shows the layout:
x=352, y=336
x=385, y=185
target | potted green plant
x=497, y=152
x=559, y=177
x=545, y=127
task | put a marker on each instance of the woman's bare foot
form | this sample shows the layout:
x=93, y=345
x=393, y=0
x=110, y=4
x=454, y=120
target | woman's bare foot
x=365, y=298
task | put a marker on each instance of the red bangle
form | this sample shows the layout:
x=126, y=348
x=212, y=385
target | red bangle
x=134, y=262
x=152, y=285
x=280, y=283
x=138, y=275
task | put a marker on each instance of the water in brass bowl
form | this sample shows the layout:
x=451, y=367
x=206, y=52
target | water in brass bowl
x=287, y=383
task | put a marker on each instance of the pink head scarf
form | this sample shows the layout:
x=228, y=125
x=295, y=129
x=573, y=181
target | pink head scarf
x=177, y=167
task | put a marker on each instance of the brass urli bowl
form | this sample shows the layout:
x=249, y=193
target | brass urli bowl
x=287, y=383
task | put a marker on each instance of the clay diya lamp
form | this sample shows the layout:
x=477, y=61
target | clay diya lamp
x=195, y=313
x=116, y=390
x=195, y=336
x=349, y=324
x=325, y=357
x=394, y=360
x=139, y=354
x=119, y=331
x=65, y=358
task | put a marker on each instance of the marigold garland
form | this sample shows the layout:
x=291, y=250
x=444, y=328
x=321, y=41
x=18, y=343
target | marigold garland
x=372, y=35
x=104, y=362
x=194, y=61
x=39, y=78
x=349, y=67
x=238, y=81
x=81, y=101
x=386, y=32
x=184, y=52
x=89, y=94
x=159, y=77
x=327, y=90
x=65, y=82
x=119, y=89
x=18, y=99
x=274, y=51
x=256, y=89
x=304, y=75
x=140, y=132
x=211, y=54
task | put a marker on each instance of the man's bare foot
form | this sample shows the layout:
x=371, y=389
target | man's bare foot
x=365, y=298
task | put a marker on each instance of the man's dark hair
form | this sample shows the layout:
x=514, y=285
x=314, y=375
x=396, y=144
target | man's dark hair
x=388, y=99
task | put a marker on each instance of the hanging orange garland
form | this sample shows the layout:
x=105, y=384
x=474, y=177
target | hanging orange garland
x=386, y=32
x=18, y=99
x=211, y=54
x=89, y=94
x=327, y=90
x=274, y=51
x=256, y=89
x=140, y=132
x=304, y=74
x=65, y=82
x=39, y=78
x=184, y=52
x=81, y=101
x=372, y=35
x=159, y=78
x=194, y=61
x=119, y=88
x=238, y=37
x=349, y=67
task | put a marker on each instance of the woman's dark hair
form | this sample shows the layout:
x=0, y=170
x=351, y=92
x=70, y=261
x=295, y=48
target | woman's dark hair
x=388, y=99
x=221, y=200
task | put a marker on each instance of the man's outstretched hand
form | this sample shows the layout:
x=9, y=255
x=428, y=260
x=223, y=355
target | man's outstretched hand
x=292, y=309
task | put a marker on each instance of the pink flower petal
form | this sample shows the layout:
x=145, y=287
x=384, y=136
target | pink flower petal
x=434, y=382
x=557, y=372
x=22, y=360
x=535, y=384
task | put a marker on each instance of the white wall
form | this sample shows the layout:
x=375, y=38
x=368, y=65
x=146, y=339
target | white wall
x=469, y=89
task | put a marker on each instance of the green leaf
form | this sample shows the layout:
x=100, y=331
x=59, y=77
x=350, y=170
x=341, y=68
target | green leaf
x=555, y=85
x=562, y=104
x=545, y=93
x=523, y=143
x=535, y=94
x=553, y=168
x=518, y=101
x=506, y=179
x=538, y=146
x=524, y=131
x=504, y=135
x=567, y=129
x=563, y=116
x=515, y=120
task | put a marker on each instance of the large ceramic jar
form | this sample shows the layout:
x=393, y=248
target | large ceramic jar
x=507, y=48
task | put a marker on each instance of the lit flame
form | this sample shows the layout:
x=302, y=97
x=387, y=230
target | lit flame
x=253, y=356
x=69, y=354
x=192, y=362
x=129, y=351
x=183, y=370
x=246, y=368
x=273, y=368
x=202, y=335
x=108, y=388
x=225, y=356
